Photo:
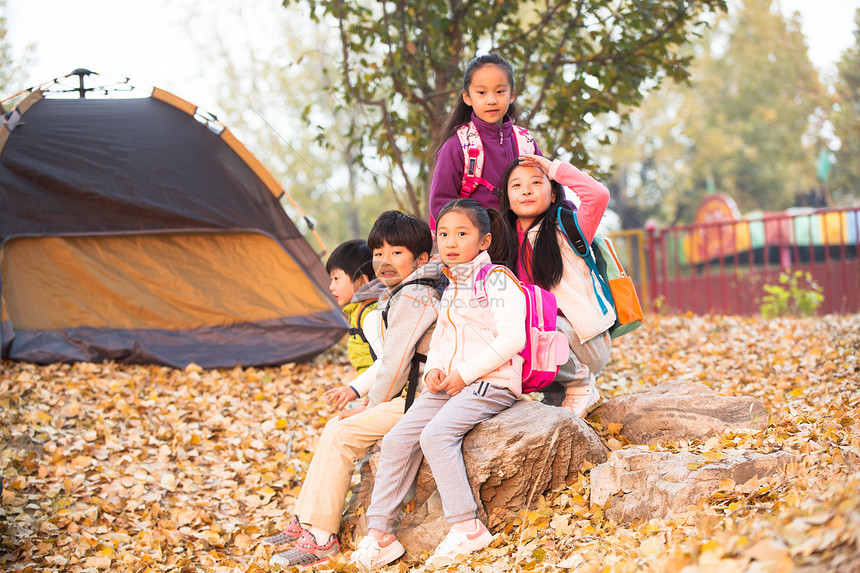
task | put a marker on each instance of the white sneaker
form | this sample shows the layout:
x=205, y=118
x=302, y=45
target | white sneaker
x=581, y=400
x=459, y=543
x=369, y=555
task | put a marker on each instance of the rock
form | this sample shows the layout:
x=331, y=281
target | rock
x=680, y=410
x=511, y=459
x=657, y=484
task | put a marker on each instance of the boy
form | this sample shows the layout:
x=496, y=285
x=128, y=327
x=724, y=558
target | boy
x=356, y=291
x=401, y=247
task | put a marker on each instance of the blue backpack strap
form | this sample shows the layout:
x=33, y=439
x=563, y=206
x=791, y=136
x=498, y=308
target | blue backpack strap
x=569, y=225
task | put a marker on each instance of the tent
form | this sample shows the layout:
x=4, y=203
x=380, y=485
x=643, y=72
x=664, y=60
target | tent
x=139, y=230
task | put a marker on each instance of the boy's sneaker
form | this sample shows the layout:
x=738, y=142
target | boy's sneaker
x=291, y=532
x=459, y=543
x=306, y=552
x=369, y=555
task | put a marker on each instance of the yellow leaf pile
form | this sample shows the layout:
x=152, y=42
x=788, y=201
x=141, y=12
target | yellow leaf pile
x=146, y=468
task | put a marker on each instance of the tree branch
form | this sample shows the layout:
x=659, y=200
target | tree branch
x=419, y=62
x=380, y=103
x=658, y=34
x=344, y=42
x=549, y=81
x=398, y=158
x=394, y=70
x=539, y=26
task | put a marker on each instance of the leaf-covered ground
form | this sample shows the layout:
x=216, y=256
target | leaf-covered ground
x=132, y=468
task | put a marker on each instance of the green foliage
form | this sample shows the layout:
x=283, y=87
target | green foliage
x=737, y=126
x=5, y=51
x=797, y=294
x=11, y=71
x=846, y=121
x=401, y=66
x=273, y=74
x=755, y=109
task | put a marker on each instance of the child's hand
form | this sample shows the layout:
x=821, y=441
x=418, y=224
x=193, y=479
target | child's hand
x=352, y=411
x=340, y=397
x=541, y=163
x=433, y=379
x=452, y=384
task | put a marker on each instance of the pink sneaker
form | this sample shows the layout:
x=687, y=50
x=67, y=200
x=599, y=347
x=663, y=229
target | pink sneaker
x=306, y=552
x=369, y=555
x=291, y=532
x=581, y=400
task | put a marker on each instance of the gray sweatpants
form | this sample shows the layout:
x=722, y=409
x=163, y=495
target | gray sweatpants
x=434, y=425
x=584, y=362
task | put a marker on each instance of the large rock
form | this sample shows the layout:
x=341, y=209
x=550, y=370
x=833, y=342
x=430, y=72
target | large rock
x=680, y=410
x=511, y=459
x=657, y=484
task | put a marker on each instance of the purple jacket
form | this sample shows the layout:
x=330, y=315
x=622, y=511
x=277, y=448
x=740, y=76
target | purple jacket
x=499, y=152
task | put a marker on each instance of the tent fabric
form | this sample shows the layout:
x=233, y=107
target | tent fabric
x=210, y=347
x=140, y=281
x=207, y=347
x=133, y=232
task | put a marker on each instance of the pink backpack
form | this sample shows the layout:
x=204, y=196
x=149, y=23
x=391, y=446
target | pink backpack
x=546, y=349
x=473, y=155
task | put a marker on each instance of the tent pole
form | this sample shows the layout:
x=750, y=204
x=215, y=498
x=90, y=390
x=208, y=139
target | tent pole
x=81, y=72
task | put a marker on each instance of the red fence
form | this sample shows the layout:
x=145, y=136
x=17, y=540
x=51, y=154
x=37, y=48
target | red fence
x=721, y=267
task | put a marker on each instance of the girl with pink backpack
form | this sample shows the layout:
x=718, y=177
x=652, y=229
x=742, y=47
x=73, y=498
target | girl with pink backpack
x=473, y=372
x=533, y=193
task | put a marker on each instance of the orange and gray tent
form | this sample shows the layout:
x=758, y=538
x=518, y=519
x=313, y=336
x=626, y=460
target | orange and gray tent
x=131, y=231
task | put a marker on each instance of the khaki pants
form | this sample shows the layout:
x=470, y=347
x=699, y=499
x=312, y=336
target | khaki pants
x=343, y=442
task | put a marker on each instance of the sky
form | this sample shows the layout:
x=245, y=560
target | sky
x=828, y=26
x=146, y=40
x=152, y=42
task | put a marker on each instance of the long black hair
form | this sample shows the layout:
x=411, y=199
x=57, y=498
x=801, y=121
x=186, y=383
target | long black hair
x=486, y=221
x=546, y=263
x=462, y=112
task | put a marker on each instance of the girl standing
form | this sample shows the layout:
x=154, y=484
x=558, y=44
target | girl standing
x=480, y=127
x=474, y=346
x=533, y=194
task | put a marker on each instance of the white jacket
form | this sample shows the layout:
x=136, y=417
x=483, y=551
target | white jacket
x=575, y=294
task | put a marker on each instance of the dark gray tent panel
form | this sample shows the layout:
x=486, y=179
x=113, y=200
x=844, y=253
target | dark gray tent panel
x=131, y=231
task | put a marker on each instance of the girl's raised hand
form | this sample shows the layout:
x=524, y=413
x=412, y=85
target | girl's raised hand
x=452, y=384
x=542, y=163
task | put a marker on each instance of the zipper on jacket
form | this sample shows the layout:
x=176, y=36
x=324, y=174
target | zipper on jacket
x=448, y=312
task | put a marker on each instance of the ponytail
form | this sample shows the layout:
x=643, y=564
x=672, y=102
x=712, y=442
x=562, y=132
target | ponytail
x=487, y=221
x=547, y=265
x=503, y=248
x=460, y=115
x=462, y=112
